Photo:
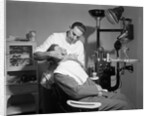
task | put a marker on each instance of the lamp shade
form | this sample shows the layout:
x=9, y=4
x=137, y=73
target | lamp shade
x=97, y=13
x=114, y=15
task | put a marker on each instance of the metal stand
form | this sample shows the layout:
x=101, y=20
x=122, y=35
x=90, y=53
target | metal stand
x=103, y=68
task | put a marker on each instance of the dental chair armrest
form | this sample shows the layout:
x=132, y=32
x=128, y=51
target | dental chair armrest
x=84, y=105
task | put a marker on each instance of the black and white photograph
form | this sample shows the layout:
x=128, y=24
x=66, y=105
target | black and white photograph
x=72, y=58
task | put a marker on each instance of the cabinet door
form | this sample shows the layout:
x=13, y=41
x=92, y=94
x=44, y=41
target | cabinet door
x=19, y=56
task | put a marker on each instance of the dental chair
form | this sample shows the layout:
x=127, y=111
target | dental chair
x=66, y=104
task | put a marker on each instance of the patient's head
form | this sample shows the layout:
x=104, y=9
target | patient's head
x=59, y=50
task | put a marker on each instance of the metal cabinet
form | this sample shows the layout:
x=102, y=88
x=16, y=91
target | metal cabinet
x=21, y=83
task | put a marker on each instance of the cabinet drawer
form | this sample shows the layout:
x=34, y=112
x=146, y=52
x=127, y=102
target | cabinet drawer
x=21, y=88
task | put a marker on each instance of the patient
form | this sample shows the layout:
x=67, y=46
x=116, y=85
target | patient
x=65, y=64
x=74, y=81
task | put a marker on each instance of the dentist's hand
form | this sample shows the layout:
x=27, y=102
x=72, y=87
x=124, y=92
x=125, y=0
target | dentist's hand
x=57, y=55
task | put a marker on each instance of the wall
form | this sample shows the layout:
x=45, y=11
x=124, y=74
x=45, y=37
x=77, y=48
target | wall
x=136, y=51
x=47, y=18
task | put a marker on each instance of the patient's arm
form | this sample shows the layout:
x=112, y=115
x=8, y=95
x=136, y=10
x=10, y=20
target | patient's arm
x=73, y=89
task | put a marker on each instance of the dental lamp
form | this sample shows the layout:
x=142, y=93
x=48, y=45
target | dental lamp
x=114, y=15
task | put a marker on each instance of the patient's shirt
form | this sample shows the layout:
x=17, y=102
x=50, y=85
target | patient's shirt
x=73, y=69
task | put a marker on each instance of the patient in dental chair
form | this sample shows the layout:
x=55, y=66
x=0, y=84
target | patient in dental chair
x=71, y=77
x=65, y=64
